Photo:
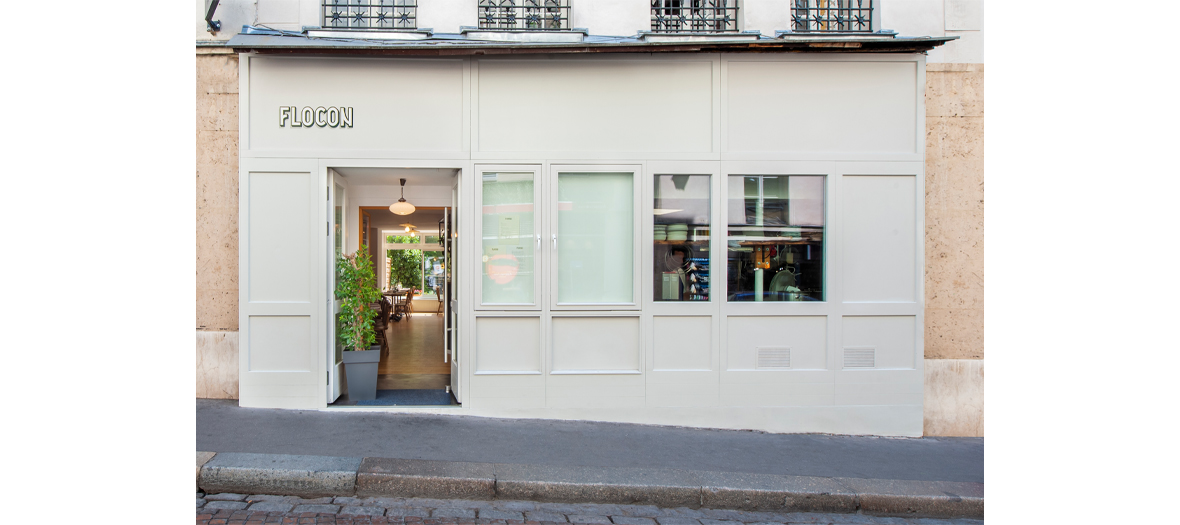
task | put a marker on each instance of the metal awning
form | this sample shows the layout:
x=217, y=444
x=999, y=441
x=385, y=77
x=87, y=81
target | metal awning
x=269, y=41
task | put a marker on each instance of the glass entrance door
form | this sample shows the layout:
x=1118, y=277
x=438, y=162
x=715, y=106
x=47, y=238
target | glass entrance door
x=337, y=235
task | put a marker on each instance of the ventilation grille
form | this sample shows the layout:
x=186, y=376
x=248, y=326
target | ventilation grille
x=774, y=357
x=860, y=357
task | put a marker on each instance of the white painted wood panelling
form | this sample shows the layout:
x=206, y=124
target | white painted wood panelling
x=281, y=343
x=282, y=295
x=398, y=105
x=280, y=211
x=682, y=343
x=853, y=119
x=880, y=238
x=894, y=339
x=507, y=345
x=805, y=336
x=592, y=105
x=596, y=344
x=595, y=391
x=811, y=106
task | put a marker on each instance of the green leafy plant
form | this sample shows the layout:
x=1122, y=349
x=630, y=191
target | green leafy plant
x=356, y=287
x=405, y=266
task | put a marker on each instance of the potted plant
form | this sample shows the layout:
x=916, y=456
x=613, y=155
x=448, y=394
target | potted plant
x=356, y=287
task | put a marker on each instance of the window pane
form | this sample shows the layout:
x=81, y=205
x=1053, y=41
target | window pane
x=595, y=232
x=432, y=273
x=776, y=229
x=680, y=255
x=508, y=238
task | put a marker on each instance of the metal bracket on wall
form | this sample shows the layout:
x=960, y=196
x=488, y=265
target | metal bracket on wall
x=213, y=26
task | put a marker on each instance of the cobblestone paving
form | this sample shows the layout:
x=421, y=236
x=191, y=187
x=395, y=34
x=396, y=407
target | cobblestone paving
x=251, y=509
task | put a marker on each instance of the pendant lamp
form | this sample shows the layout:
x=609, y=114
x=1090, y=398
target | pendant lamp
x=401, y=207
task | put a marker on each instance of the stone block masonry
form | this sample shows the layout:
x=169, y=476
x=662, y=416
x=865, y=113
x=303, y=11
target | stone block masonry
x=217, y=223
x=953, y=393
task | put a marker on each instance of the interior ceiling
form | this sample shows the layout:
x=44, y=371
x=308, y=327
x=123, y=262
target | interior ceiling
x=414, y=176
x=425, y=220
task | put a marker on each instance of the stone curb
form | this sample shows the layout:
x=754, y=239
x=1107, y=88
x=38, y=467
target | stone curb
x=316, y=476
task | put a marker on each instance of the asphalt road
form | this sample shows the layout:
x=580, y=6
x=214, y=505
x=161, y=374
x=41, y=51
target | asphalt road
x=224, y=427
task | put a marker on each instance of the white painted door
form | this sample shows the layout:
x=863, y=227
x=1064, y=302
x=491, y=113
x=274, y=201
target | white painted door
x=282, y=314
x=337, y=241
x=452, y=288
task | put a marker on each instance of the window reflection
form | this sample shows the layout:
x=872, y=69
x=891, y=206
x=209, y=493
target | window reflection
x=776, y=227
x=680, y=251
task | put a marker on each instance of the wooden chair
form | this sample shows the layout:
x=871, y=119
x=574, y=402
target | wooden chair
x=399, y=307
x=382, y=323
x=379, y=325
x=409, y=307
x=439, y=295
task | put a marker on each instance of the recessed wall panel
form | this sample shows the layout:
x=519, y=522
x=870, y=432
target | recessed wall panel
x=397, y=105
x=595, y=105
x=280, y=343
x=682, y=343
x=279, y=244
x=840, y=107
x=804, y=336
x=508, y=344
x=880, y=238
x=596, y=344
x=891, y=338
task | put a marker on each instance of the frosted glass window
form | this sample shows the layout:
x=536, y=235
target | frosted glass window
x=508, y=233
x=595, y=234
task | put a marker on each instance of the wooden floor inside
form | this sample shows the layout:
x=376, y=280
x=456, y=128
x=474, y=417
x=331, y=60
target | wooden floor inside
x=415, y=358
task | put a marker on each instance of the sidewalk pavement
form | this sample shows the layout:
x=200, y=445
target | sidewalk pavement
x=371, y=454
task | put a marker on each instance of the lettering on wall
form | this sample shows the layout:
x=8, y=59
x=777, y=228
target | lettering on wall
x=307, y=116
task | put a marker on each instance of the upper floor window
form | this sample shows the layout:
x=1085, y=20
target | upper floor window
x=524, y=15
x=694, y=16
x=832, y=16
x=369, y=14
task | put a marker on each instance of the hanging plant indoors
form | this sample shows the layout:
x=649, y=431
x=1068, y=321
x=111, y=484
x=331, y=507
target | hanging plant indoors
x=356, y=288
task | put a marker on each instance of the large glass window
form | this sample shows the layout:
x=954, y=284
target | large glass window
x=680, y=255
x=776, y=238
x=595, y=238
x=508, y=232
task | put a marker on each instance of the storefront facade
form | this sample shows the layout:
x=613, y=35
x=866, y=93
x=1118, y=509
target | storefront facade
x=582, y=187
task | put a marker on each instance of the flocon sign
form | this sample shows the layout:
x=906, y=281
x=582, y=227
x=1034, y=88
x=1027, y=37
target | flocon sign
x=307, y=116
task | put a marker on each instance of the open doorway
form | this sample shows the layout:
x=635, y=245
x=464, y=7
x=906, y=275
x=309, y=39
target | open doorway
x=413, y=259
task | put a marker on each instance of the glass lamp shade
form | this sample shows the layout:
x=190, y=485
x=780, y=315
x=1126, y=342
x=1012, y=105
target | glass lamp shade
x=402, y=208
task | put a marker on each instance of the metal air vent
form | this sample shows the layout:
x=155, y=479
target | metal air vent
x=860, y=357
x=773, y=357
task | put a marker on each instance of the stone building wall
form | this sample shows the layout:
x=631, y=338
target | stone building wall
x=217, y=223
x=954, y=250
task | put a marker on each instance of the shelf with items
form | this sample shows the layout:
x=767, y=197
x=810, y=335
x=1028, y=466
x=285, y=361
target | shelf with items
x=681, y=271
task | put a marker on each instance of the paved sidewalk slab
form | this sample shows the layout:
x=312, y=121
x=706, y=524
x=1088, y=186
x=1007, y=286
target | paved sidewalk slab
x=223, y=426
x=917, y=498
x=309, y=476
x=662, y=487
x=767, y=492
x=412, y=478
x=463, y=490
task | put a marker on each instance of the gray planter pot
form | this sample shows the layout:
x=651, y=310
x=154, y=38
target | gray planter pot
x=360, y=368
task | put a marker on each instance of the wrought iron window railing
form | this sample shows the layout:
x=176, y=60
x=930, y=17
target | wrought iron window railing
x=832, y=16
x=369, y=14
x=694, y=16
x=524, y=15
